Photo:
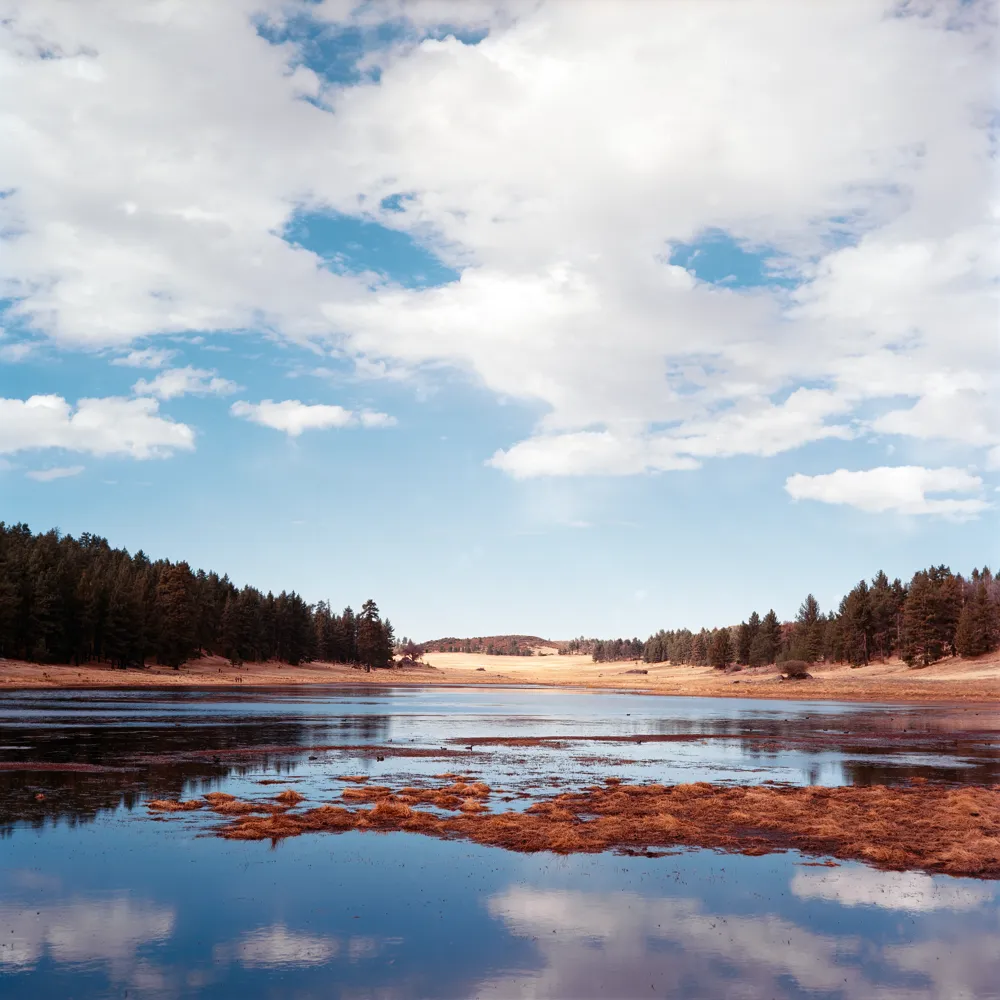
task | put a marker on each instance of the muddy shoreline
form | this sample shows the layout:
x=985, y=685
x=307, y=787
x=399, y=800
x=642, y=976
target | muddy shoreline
x=949, y=682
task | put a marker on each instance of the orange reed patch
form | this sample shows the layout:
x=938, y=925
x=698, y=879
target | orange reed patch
x=229, y=805
x=173, y=806
x=923, y=827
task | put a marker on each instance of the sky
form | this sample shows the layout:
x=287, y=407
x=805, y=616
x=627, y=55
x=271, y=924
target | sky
x=556, y=318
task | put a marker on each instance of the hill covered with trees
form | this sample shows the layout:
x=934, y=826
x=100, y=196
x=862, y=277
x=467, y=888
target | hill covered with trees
x=938, y=613
x=64, y=600
x=492, y=645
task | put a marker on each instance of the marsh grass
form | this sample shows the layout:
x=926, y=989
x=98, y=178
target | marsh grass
x=924, y=827
x=172, y=805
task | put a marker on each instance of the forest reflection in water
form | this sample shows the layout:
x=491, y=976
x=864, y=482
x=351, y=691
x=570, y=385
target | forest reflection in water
x=74, y=754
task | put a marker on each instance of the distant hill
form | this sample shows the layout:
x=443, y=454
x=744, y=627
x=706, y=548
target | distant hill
x=502, y=645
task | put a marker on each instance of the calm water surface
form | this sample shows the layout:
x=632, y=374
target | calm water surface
x=98, y=899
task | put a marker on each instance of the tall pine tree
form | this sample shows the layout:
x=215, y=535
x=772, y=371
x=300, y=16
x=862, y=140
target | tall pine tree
x=977, y=624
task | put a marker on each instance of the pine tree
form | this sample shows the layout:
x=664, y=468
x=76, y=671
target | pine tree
x=374, y=639
x=720, y=651
x=121, y=632
x=856, y=625
x=177, y=621
x=930, y=615
x=767, y=643
x=747, y=638
x=807, y=642
x=699, y=648
x=231, y=634
x=744, y=640
x=347, y=637
x=886, y=608
x=977, y=626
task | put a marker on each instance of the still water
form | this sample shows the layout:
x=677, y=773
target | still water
x=99, y=899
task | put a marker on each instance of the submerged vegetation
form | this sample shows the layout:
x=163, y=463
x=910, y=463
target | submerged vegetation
x=939, y=829
x=65, y=600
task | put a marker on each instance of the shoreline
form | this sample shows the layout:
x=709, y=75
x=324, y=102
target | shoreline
x=951, y=680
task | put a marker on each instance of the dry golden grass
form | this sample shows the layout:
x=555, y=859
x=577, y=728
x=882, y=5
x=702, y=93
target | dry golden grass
x=465, y=796
x=172, y=805
x=924, y=827
x=229, y=805
x=952, y=679
x=367, y=793
x=289, y=797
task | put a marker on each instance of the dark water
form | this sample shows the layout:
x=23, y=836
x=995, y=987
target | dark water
x=98, y=899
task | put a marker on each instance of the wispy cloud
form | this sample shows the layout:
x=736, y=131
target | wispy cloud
x=187, y=381
x=150, y=357
x=57, y=472
x=12, y=353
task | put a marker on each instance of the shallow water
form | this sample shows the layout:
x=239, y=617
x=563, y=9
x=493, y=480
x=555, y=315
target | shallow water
x=99, y=899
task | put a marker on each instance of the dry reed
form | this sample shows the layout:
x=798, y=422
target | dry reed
x=923, y=827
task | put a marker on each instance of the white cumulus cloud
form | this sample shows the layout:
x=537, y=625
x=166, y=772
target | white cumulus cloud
x=901, y=488
x=187, y=381
x=293, y=417
x=554, y=165
x=106, y=426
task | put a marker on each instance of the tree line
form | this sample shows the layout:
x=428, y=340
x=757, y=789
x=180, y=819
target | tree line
x=78, y=600
x=491, y=645
x=938, y=613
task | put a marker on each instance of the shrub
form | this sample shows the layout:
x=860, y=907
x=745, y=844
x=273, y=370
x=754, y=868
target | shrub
x=795, y=669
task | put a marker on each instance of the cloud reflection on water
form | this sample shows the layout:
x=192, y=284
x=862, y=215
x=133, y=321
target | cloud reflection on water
x=627, y=945
x=277, y=946
x=82, y=931
x=911, y=891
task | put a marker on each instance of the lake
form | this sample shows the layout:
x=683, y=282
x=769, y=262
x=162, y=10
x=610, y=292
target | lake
x=100, y=898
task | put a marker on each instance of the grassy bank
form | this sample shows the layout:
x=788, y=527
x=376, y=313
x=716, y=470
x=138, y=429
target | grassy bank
x=953, y=679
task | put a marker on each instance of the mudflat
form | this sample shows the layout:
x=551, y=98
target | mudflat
x=952, y=679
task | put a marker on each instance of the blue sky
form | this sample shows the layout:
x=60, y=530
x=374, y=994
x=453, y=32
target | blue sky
x=591, y=359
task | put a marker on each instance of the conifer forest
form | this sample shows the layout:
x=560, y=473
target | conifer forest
x=938, y=613
x=78, y=600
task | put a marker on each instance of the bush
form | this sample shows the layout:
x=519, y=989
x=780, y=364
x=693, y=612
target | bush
x=795, y=669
